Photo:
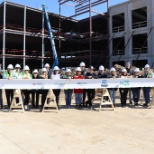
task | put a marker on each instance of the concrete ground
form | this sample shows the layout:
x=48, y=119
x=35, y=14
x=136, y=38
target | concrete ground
x=123, y=131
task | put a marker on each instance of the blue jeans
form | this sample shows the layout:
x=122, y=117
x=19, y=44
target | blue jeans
x=78, y=98
x=146, y=92
x=68, y=96
x=112, y=93
x=1, y=100
x=136, y=94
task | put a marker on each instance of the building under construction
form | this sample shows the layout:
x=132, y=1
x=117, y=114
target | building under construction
x=122, y=33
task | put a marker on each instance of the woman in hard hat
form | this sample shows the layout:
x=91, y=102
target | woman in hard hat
x=35, y=91
x=56, y=76
x=17, y=73
x=124, y=91
x=91, y=92
x=8, y=74
x=146, y=90
x=78, y=92
x=136, y=91
x=26, y=75
x=68, y=92
x=112, y=91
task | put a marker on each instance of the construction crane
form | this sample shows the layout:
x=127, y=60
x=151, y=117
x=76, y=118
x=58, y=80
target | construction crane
x=55, y=57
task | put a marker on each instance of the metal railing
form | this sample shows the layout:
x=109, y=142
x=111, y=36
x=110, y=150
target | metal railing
x=139, y=24
x=140, y=50
x=118, y=29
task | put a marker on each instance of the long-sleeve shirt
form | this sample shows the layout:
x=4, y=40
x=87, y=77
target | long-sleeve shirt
x=78, y=91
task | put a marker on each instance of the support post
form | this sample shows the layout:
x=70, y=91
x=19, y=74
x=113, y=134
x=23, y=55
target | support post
x=4, y=34
x=43, y=47
x=24, y=39
x=90, y=43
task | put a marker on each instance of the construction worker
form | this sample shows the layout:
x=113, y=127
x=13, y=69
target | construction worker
x=123, y=91
x=136, y=91
x=91, y=92
x=83, y=72
x=17, y=72
x=55, y=76
x=146, y=90
x=26, y=75
x=101, y=73
x=35, y=91
x=8, y=74
x=68, y=92
x=112, y=91
x=47, y=66
x=78, y=92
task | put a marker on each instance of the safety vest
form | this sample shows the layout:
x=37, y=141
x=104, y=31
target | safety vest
x=6, y=75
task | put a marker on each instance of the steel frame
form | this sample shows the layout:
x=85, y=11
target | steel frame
x=82, y=7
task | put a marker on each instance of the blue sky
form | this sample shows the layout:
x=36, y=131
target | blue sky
x=52, y=5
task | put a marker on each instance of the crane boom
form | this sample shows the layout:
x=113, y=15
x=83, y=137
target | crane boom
x=55, y=57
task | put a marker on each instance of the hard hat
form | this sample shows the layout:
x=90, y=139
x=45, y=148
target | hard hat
x=10, y=66
x=26, y=68
x=112, y=69
x=18, y=65
x=146, y=66
x=35, y=71
x=124, y=70
x=47, y=65
x=56, y=68
x=82, y=64
x=136, y=70
x=68, y=70
x=91, y=67
x=44, y=70
x=101, y=68
x=78, y=69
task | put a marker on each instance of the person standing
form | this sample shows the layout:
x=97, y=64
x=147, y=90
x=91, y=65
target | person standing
x=91, y=92
x=112, y=91
x=101, y=74
x=35, y=91
x=17, y=72
x=129, y=73
x=123, y=91
x=26, y=75
x=83, y=72
x=56, y=76
x=8, y=74
x=68, y=92
x=78, y=92
x=47, y=66
x=146, y=90
x=136, y=91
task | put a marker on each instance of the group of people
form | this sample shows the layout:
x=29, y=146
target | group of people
x=80, y=94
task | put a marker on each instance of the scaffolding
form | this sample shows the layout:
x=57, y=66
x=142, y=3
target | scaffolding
x=82, y=7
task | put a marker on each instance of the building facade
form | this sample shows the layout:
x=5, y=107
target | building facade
x=132, y=33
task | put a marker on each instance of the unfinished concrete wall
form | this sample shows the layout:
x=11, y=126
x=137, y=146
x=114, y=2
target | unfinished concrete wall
x=134, y=13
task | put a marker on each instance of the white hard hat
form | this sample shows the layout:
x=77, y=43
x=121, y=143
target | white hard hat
x=136, y=70
x=124, y=70
x=82, y=64
x=101, y=68
x=47, y=65
x=18, y=65
x=35, y=71
x=112, y=69
x=26, y=68
x=146, y=66
x=56, y=68
x=68, y=70
x=44, y=70
x=10, y=66
x=78, y=69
